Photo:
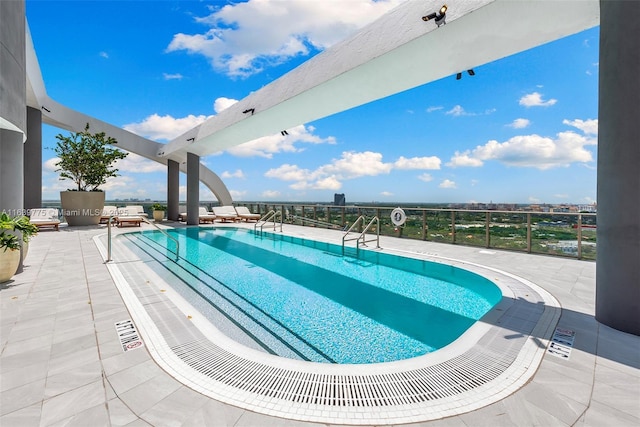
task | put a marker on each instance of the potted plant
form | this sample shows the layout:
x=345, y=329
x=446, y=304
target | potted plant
x=86, y=159
x=9, y=248
x=27, y=229
x=158, y=211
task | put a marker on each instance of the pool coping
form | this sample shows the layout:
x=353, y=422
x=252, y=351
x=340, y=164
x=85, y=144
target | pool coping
x=499, y=325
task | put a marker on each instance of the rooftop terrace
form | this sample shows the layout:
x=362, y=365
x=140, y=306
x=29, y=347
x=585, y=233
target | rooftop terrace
x=61, y=362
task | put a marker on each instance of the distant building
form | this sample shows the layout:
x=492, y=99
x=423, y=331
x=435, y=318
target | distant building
x=339, y=199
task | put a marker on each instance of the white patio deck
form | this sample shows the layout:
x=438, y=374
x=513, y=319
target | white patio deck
x=61, y=362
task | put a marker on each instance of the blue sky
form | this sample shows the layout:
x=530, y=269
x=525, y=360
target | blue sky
x=522, y=130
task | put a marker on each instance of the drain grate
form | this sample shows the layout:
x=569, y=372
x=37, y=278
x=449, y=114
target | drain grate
x=452, y=377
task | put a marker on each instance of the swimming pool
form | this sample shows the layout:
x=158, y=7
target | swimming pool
x=302, y=299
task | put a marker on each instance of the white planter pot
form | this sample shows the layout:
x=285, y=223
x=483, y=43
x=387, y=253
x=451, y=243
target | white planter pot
x=158, y=216
x=82, y=207
x=25, y=249
x=9, y=261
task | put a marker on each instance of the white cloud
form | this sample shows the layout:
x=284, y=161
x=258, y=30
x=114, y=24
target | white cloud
x=237, y=195
x=447, y=183
x=589, y=126
x=50, y=165
x=530, y=151
x=288, y=172
x=464, y=159
x=134, y=163
x=223, y=103
x=519, y=123
x=104, y=55
x=533, y=199
x=354, y=165
x=535, y=100
x=534, y=150
x=271, y=194
x=245, y=38
x=158, y=127
x=350, y=166
x=176, y=76
x=426, y=177
x=386, y=194
x=328, y=183
x=434, y=108
x=458, y=111
x=267, y=146
x=432, y=162
x=237, y=174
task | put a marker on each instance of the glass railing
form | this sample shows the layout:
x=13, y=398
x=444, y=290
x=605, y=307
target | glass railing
x=550, y=233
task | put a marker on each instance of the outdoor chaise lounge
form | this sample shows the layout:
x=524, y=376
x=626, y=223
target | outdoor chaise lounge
x=107, y=212
x=182, y=213
x=128, y=216
x=226, y=213
x=205, y=216
x=245, y=214
x=45, y=217
x=138, y=209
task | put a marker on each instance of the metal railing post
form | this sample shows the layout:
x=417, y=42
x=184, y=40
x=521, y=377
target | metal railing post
x=529, y=233
x=453, y=226
x=487, y=233
x=579, y=236
x=109, y=239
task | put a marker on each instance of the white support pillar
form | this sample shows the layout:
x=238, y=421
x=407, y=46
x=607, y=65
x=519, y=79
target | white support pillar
x=193, y=188
x=173, y=190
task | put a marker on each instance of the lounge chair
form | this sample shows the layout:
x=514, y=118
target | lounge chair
x=245, y=214
x=108, y=211
x=226, y=213
x=129, y=216
x=205, y=216
x=138, y=209
x=182, y=213
x=45, y=217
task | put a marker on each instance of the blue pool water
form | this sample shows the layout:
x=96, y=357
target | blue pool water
x=303, y=299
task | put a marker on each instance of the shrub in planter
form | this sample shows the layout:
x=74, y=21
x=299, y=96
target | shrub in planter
x=86, y=159
x=9, y=248
x=27, y=230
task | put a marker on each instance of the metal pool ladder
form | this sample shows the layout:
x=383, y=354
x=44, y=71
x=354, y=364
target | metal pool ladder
x=361, y=239
x=270, y=216
x=177, y=252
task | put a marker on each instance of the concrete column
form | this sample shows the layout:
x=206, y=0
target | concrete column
x=193, y=188
x=13, y=113
x=11, y=173
x=33, y=160
x=173, y=190
x=618, y=235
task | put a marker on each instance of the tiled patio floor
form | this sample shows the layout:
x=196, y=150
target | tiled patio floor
x=61, y=363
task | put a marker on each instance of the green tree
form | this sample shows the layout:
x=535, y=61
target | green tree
x=86, y=158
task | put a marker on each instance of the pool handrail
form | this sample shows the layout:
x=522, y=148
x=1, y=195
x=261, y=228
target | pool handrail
x=269, y=216
x=362, y=235
x=177, y=252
